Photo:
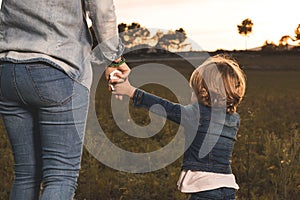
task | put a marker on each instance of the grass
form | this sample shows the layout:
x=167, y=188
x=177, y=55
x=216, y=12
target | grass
x=266, y=156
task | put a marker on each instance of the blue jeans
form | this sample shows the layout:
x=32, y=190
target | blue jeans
x=44, y=113
x=217, y=194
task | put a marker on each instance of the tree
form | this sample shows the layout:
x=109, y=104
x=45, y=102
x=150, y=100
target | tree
x=134, y=36
x=122, y=27
x=297, y=34
x=269, y=46
x=245, y=28
x=283, y=42
x=172, y=40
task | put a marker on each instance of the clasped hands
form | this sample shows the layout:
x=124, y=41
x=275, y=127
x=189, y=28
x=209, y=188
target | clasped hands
x=116, y=75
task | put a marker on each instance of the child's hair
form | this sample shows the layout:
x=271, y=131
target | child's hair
x=218, y=80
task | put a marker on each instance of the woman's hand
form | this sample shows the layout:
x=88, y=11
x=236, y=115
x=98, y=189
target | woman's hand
x=124, y=68
x=125, y=71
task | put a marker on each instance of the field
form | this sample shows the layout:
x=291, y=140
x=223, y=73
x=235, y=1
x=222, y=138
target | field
x=266, y=158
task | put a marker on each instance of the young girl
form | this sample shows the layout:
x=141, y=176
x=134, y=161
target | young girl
x=218, y=82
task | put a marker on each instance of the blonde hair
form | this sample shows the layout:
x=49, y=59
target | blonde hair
x=219, y=80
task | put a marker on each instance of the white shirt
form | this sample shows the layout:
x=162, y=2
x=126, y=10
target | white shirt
x=197, y=181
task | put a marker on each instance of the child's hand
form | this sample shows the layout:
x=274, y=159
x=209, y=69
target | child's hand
x=124, y=88
x=114, y=78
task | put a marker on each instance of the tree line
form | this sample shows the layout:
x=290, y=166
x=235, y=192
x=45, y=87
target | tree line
x=135, y=37
x=245, y=29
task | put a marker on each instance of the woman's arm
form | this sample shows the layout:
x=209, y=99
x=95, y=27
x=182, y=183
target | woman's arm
x=104, y=23
x=109, y=48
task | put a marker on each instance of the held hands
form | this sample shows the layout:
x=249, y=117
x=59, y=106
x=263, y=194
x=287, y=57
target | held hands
x=122, y=68
x=117, y=76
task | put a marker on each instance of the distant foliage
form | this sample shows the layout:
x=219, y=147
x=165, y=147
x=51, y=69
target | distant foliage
x=245, y=28
x=134, y=36
x=297, y=34
x=269, y=46
x=286, y=42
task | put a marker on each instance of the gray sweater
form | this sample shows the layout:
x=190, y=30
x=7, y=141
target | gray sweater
x=56, y=31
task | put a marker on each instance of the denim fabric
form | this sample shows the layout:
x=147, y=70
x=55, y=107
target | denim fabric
x=218, y=160
x=57, y=31
x=44, y=112
x=217, y=194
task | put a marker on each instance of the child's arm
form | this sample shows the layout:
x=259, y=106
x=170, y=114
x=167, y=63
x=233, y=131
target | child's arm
x=175, y=112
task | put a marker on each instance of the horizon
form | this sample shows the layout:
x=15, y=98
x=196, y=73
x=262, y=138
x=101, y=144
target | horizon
x=218, y=29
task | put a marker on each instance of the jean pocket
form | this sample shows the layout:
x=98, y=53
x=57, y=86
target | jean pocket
x=53, y=86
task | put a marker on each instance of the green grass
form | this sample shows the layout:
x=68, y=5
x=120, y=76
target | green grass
x=266, y=156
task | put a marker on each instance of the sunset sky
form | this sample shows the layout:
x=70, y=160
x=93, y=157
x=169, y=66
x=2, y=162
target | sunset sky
x=212, y=24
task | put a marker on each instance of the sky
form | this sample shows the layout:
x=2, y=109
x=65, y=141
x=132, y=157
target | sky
x=212, y=24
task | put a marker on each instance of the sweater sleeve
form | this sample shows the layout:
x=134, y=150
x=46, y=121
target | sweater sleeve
x=183, y=115
x=104, y=24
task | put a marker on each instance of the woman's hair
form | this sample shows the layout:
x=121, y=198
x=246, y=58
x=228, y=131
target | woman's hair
x=219, y=81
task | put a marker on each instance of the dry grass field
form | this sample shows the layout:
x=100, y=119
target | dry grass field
x=266, y=155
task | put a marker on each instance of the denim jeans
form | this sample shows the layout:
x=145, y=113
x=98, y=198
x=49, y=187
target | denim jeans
x=44, y=113
x=217, y=194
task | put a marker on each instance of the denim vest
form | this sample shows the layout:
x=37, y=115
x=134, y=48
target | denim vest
x=207, y=148
x=57, y=32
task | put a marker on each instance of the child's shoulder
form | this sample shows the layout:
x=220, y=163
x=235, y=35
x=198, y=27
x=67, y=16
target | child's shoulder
x=217, y=115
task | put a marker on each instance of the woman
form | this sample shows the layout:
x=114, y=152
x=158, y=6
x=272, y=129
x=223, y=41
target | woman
x=45, y=77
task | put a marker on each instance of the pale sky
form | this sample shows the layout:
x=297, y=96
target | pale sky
x=212, y=24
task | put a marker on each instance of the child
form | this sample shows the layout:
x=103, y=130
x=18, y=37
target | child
x=218, y=81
